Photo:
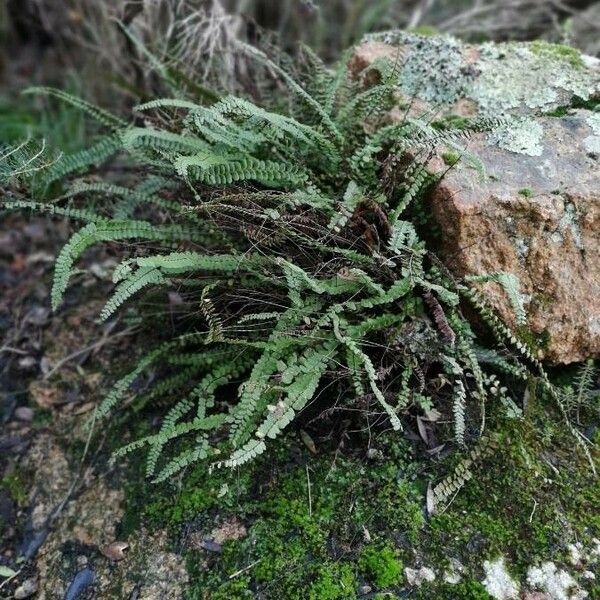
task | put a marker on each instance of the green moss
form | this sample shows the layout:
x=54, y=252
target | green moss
x=451, y=122
x=577, y=102
x=535, y=341
x=526, y=192
x=517, y=504
x=451, y=158
x=301, y=546
x=426, y=30
x=334, y=582
x=559, y=111
x=465, y=590
x=558, y=52
x=15, y=485
x=381, y=566
x=589, y=104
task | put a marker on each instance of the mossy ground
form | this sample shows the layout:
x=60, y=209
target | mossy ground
x=558, y=52
x=342, y=523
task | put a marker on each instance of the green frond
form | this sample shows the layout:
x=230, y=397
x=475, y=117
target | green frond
x=52, y=209
x=511, y=285
x=79, y=161
x=131, y=285
x=290, y=242
x=219, y=169
x=95, y=112
x=104, y=231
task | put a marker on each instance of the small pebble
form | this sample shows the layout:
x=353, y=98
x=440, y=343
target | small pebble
x=24, y=413
x=26, y=589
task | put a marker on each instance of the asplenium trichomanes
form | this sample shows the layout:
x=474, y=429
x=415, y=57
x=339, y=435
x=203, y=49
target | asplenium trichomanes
x=287, y=235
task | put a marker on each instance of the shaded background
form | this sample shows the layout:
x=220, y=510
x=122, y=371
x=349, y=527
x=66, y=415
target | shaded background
x=51, y=41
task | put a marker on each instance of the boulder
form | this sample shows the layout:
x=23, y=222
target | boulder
x=525, y=197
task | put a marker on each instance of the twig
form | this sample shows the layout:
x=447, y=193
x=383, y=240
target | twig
x=61, y=363
x=309, y=493
x=13, y=350
x=533, y=510
x=420, y=10
x=10, y=578
x=238, y=573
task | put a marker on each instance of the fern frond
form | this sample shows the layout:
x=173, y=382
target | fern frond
x=104, y=231
x=131, y=285
x=297, y=89
x=511, y=285
x=52, y=209
x=67, y=164
x=95, y=112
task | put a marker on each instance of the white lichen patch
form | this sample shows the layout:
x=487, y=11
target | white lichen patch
x=592, y=144
x=522, y=248
x=454, y=573
x=556, y=583
x=523, y=137
x=500, y=80
x=575, y=553
x=569, y=221
x=433, y=67
x=593, y=121
x=498, y=581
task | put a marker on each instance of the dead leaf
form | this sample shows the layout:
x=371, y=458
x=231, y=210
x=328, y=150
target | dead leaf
x=44, y=395
x=83, y=408
x=27, y=362
x=39, y=257
x=430, y=500
x=18, y=264
x=45, y=365
x=366, y=535
x=308, y=442
x=436, y=450
x=526, y=397
x=422, y=430
x=230, y=530
x=432, y=415
x=175, y=299
x=115, y=551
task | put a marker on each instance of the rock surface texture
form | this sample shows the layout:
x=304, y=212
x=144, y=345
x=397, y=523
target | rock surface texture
x=524, y=198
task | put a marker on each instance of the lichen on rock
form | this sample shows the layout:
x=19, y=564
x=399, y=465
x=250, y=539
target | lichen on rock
x=547, y=143
x=498, y=581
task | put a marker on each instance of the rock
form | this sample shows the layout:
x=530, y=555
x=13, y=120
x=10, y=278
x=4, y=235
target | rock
x=532, y=205
x=72, y=537
x=416, y=577
x=115, y=551
x=81, y=582
x=26, y=589
x=548, y=237
x=498, y=582
x=588, y=575
x=454, y=574
x=24, y=413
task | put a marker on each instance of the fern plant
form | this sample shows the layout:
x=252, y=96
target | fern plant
x=289, y=237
